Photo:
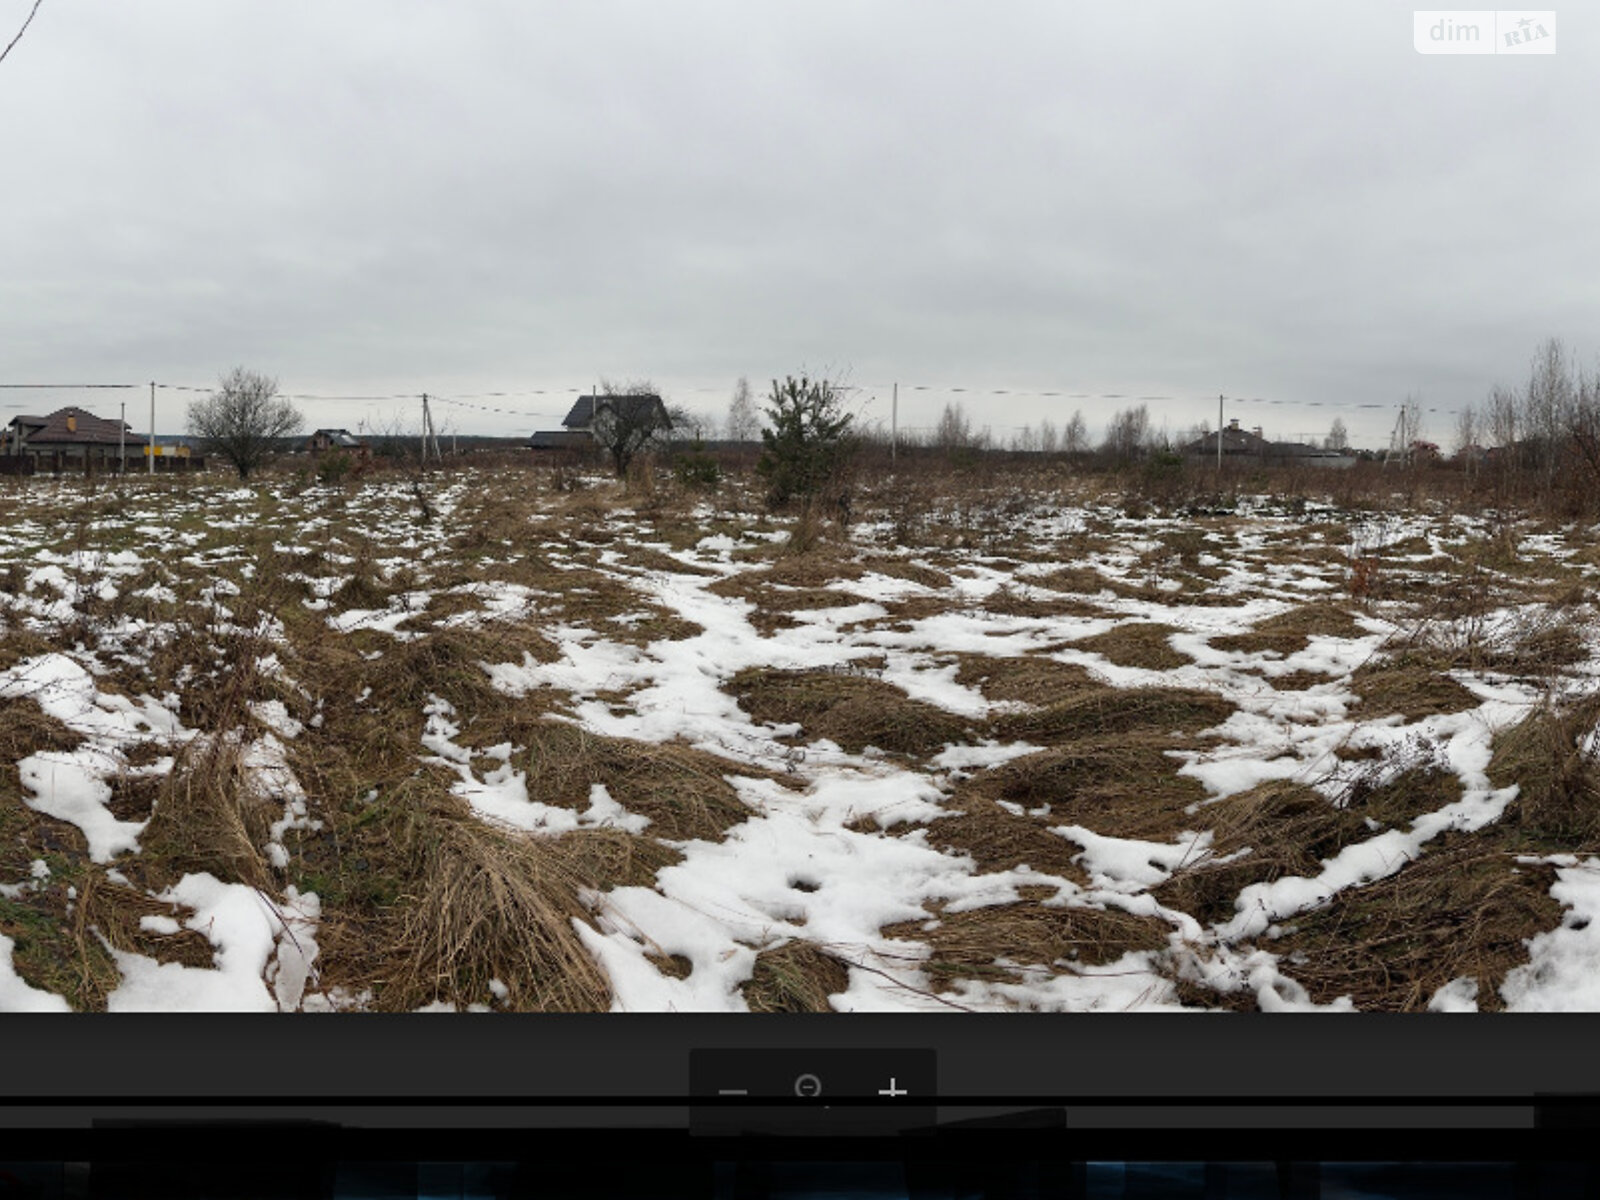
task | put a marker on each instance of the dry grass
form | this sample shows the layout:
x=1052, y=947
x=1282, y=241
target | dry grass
x=1558, y=777
x=424, y=902
x=1123, y=786
x=683, y=791
x=1145, y=644
x=209, y=817
x=1408, y=685
x=1291, y=632
x=115, y=910
x=485, y=905
x=1281, y=828
x=850, y=710
x=997, y=839
x=994, y=944
x=1465, y=908
x=1006, y=601
x=17, y=643
x=796, y=977
x=26, y=729
x=1031, y=680
x=1102, y=711
x=774, y=605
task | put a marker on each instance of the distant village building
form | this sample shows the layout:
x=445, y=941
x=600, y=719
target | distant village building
x=579, y=429
x=1248, y=445
x=71, y=439
x=325, y=441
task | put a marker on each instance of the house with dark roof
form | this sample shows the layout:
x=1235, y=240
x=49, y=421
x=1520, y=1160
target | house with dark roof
x=73, y=439
x=325, y=441
x=1236, y=442
x=588, y=411
x=583, y=424
x=1249, y=444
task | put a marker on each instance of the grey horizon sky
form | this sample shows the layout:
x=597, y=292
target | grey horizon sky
x=376, y=197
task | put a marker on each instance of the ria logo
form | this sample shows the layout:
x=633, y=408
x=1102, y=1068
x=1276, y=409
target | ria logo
x=1468, y=31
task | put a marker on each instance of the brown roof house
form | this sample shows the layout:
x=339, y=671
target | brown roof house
x=72, y=439
x=327, y=441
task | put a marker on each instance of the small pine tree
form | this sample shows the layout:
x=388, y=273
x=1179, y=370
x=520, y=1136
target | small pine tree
x=808, y=442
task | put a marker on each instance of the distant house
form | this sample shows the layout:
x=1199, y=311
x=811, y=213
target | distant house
x=73, y=439
x=1236, y=442
x=324, y=441
x=561, y=439
x=583, y=424
x=1240, y=444
x=588, y=412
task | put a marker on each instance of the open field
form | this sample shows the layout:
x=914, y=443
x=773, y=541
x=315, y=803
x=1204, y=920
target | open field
x=517, y=739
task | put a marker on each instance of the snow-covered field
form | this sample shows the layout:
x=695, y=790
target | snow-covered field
x=284, y=747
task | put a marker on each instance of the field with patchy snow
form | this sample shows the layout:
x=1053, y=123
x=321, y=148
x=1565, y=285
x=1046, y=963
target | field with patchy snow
x=1011, y=745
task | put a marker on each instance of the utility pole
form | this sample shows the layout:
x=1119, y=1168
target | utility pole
x=1219, y=433
x=424, y=438
x=122, y=440
x=150, y=450
x=894, y=422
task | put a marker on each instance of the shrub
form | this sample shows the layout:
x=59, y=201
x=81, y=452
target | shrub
x=809, y=442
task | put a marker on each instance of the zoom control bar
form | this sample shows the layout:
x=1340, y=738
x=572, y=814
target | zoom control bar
x=811, y=1091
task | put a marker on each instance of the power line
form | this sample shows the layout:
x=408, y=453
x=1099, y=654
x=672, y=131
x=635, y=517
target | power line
x=31, y=13
x=465, y=400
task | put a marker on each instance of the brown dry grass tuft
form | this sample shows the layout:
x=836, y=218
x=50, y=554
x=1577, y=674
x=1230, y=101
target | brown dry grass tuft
x=796, y=977
x=999, y=840
x=209, y=818
x=1079, y=581
x=1010, y=602
x=1102, y=711
x=1291, y=632
x=484, y=904
x=614, y=858
x=914, y=572
x=774, y=605
x=53, y=943
x=1121, y=787
x=680, y=789
x=26, y=729
x=116, y=910
x=1031, y=680
x=970, y=945
x=850, y=710
x=1465, y=908
x=1557, y=773
x=19, y=643
x=1144, y=644
x=1285, y=828
x=1409, y=685
x=1401, y=800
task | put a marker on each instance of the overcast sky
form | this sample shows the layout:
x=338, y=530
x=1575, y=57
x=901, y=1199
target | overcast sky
x=1163, y=198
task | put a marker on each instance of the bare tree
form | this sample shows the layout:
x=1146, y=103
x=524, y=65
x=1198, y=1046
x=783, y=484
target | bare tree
x=744, y=423
x=1338, y=436
x=955, y=429
x=1466, y=439
x=1049, y=439
x=629, y=418
x=244, y=419
x=1128, y=433
x=1075, y=437
x=1410, y=423
x=1549, y=405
